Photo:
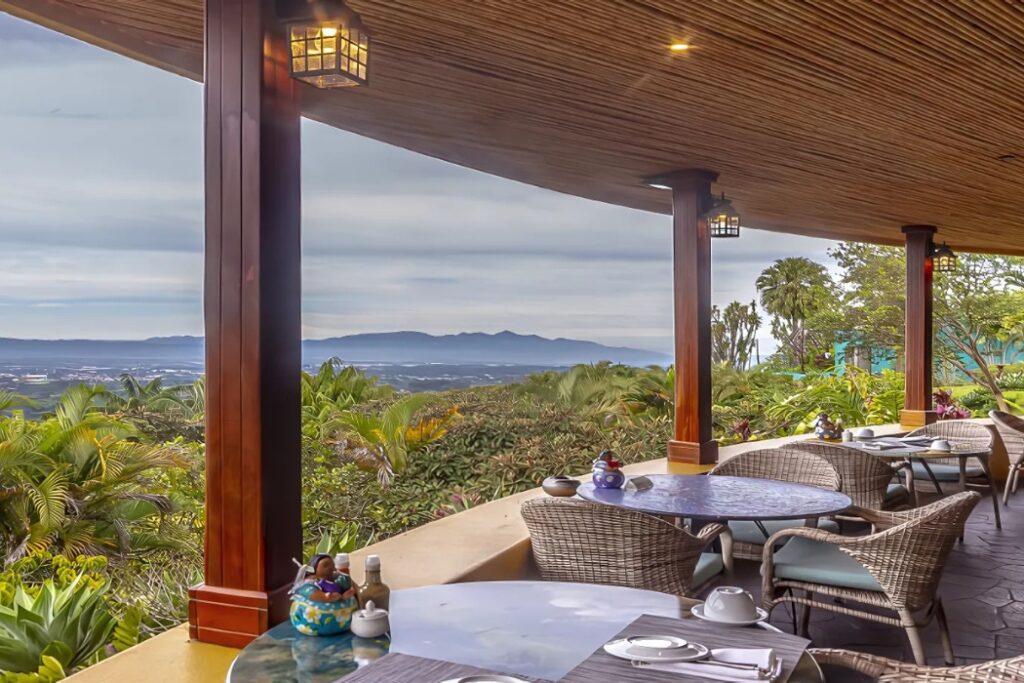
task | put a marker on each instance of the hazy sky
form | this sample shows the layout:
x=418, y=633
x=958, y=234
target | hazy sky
x=101, y=213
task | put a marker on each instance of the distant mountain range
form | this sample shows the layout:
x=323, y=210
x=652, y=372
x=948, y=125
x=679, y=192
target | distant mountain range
x=387, y=347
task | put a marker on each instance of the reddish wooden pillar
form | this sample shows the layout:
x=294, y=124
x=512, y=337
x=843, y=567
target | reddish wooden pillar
x=918, y=343
x=691, y=268
x=253, y=336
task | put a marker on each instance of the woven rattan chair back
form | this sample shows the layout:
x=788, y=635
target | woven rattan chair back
x=783, y=464
x=863, y=477
x=892, y=671
x=963, y=432
x=1011, y=431
x=907, y=560
x=585, y=542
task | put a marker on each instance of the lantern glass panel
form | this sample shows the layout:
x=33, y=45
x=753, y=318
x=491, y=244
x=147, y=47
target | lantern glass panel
x=329, y=54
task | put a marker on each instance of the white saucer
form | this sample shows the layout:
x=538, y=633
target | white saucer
x=487, y=678
x=698, y=611
x=676, y=650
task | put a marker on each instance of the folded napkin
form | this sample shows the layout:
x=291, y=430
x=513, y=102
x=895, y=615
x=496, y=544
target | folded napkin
x=725, y=664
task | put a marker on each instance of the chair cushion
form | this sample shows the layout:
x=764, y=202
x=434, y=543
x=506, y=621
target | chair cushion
x=747, y=532
x=896, y=492
x=709, y=566
x=946, y=472
x=802, y=559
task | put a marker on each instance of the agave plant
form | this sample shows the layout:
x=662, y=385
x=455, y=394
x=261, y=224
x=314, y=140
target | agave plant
x=69, y=625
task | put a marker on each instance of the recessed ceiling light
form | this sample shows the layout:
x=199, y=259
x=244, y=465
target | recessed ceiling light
x=679, y=47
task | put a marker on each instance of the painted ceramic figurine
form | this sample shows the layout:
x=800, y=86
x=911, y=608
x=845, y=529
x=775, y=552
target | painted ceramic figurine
x=827, y=430
x=607, y=473
x=323, y=600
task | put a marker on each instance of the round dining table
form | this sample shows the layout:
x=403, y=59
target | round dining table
x=706, y=498
x=537, y=629
x=894, y=449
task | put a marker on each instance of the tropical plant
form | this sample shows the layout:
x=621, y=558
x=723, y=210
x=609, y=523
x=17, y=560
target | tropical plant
x=138, y=399
x=734, y=334
x=68, y=624
x=384, y=441
x=792, y=290
x=334, y=389
x=855, y=398
x=79, y=482
x=947, y=407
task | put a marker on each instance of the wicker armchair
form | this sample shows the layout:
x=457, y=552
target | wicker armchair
x=1011, y=430
x=896, y=568
x=863, y=477
x=583, y=542
x=891, y=671
x=960, y=433
x=782, y=464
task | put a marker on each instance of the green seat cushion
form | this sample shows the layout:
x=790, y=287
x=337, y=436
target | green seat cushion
x=802, y=559
x=896, y=492
x=747, y=532
x=709, y=566
x=946, y=472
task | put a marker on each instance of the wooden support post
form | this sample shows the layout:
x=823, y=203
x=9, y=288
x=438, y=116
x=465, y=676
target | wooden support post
x=691, y=197
x=918, y=343
x=253, y=335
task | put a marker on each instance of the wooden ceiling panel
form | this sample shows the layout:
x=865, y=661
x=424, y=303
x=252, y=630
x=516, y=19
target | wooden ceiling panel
x=842, y=120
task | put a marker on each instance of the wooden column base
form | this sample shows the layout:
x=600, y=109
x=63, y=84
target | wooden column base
x=225, y=616
x=695, y=453
x=918, y=418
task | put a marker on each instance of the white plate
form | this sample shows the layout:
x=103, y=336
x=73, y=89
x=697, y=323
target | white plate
x=487, y=678
x=672, y=652
x=698, y=611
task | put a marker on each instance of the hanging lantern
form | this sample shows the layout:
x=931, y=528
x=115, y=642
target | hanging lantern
x=723, y=220
x=944, y=259
x=330, y=49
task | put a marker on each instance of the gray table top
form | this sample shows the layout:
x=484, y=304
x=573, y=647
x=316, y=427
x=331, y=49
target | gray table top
x=537, y=629
x=919, y=452
x=706, y=497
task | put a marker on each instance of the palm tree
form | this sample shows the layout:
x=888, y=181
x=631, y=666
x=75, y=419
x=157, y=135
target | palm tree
x=334, y=389
x=385, y=441
x=139, y=399
x=791, y=290
x=79, y=482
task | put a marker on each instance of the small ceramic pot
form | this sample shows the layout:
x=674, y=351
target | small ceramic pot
x=560, y=486
x=370, y=622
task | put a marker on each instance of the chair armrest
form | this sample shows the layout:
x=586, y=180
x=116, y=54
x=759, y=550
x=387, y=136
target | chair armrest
x=872, y=666
x=884, y=519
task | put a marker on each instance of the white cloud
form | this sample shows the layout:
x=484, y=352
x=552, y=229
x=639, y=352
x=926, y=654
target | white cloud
x=101, y=214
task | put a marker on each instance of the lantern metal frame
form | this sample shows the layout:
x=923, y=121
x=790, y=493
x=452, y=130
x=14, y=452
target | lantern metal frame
x=328, y=44
x=944, y=259
x=723, y=220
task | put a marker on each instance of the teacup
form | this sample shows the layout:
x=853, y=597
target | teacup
x=942, y=445
x=730, y=604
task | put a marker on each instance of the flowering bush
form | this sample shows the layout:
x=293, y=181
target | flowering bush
x=947, y=407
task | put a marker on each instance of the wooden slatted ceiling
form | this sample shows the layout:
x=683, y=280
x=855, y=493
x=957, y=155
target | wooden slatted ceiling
x=832, y=119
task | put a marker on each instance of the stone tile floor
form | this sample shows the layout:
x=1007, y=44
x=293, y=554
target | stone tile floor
x=982, y=589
